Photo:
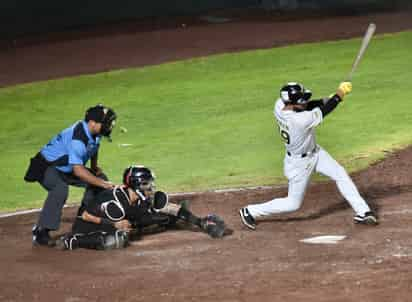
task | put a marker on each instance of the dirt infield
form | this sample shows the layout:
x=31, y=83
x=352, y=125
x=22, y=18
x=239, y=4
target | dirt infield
x=270, y=264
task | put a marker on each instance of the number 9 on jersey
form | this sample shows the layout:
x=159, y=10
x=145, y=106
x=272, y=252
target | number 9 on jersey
x=285, y=136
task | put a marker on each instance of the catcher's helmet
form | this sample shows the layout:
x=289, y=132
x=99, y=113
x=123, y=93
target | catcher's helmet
x=138, y=178
x=104, y=115
x=295, y=93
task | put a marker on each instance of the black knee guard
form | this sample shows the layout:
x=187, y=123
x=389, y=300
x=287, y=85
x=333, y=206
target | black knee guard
x=118, y=240
x=96, y=241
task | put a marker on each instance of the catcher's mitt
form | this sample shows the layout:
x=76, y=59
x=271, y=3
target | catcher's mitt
x=213, y=225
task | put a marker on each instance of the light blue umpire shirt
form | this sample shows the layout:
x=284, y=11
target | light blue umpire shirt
x=73, y=146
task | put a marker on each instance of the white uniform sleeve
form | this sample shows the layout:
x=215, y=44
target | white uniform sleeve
x=310, y=119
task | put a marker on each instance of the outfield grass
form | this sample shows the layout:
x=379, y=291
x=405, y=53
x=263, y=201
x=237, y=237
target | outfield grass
x=207, y=123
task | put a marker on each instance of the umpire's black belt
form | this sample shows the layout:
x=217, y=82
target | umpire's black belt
x=39, y=164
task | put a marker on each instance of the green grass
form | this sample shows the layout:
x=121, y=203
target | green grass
x=207, y=123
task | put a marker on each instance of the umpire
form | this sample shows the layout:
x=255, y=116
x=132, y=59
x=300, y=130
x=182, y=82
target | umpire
x=61, y=162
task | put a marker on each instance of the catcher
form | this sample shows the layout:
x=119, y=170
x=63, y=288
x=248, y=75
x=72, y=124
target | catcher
x=115, y=214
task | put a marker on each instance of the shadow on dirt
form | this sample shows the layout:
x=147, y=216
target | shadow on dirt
x=310, y=216
x=371, y=194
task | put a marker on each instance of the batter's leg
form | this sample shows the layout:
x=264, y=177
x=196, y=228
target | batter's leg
x=331, y=168
x=297, y=184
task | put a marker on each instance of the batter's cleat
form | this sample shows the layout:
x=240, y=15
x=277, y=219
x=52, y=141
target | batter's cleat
x=41, y=237
x=247, y=218
x=368, y=218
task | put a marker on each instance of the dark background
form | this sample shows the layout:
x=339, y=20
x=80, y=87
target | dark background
x=23, y=17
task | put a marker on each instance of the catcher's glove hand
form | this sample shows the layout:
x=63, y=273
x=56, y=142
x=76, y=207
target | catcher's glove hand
x=213, y=225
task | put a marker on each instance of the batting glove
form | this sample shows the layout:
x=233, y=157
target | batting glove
x=345, y=87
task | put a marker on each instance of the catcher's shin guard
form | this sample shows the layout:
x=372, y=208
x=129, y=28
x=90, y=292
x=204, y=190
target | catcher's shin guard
x=188, y=216
x=88, y=241
x=95, y=240
x=118, y=240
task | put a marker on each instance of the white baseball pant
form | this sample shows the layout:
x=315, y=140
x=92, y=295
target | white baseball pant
x=298, y=170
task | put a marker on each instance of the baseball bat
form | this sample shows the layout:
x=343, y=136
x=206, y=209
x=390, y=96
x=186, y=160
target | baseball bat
x=365, y=42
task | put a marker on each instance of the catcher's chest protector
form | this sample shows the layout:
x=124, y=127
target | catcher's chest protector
x=114, y=204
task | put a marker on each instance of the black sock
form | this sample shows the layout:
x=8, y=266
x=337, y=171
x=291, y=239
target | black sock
x=186, y=215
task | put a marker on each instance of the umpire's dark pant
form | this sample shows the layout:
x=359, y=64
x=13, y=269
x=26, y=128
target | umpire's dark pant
x=57, y=184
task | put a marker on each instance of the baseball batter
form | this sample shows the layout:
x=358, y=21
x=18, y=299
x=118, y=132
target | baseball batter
x=297, y=118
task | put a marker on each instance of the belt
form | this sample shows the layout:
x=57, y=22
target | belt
x=303, y=154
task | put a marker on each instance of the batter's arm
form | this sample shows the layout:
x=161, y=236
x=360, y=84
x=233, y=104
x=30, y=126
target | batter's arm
x=325, y=105
x=315, y=103
x=343, y=89
x=330, y=104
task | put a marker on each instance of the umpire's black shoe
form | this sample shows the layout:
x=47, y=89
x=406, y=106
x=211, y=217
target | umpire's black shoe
x=41, y=237
x=367, y=218
x=247, y=218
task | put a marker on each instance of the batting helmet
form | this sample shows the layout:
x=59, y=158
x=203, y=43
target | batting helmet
x=104, y=115
x=295, y=93
x=138, y=178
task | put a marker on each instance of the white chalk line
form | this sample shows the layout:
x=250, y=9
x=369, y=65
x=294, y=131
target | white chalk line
x=398, y=212
x=182, y=194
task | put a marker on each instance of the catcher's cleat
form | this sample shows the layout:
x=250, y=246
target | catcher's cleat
x=41, y=237
x=213, y=225
x=368, y=218
x=247, y=218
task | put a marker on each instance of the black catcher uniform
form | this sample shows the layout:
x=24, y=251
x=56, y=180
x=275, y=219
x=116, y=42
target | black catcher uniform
x=107, y=221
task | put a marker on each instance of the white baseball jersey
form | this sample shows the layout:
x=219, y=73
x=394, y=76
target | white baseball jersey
x=297, y=128
x=298, y=131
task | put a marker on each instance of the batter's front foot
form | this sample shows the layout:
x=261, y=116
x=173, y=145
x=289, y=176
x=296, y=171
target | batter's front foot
x=368, y=218
x=247, y=218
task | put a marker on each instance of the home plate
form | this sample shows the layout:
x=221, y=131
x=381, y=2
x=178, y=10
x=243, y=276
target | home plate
x=327, y=239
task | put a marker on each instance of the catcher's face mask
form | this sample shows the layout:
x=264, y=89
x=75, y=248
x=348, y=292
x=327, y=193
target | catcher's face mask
x=146, y=186
x=139, y=178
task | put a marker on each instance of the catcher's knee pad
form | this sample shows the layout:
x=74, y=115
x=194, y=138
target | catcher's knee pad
x=117, y=240
x=87, y=241
x=95, y=240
